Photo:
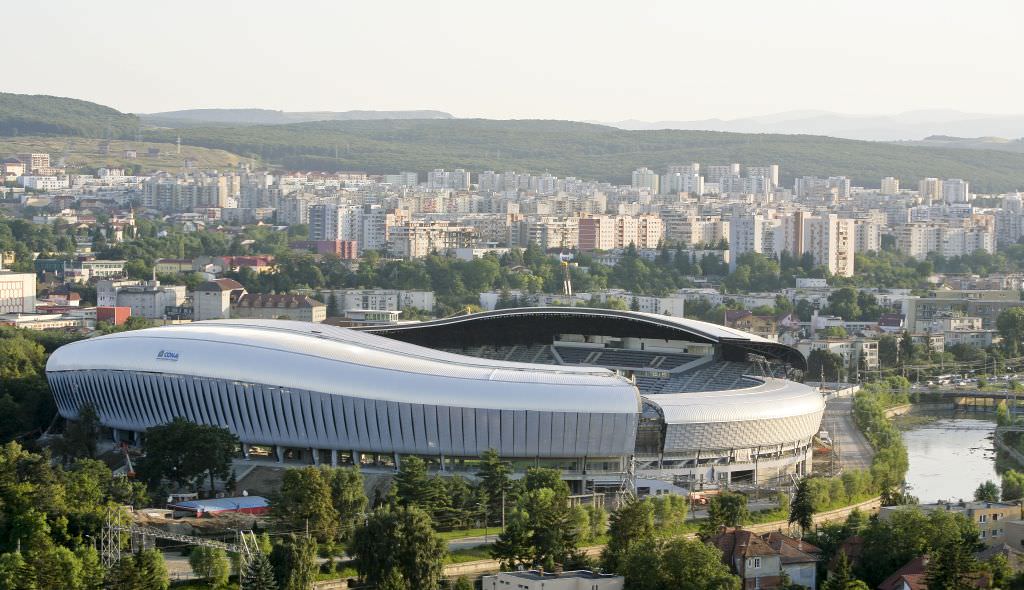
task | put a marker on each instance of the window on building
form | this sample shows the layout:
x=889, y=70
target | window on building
x=757, y=562
x=983, y=518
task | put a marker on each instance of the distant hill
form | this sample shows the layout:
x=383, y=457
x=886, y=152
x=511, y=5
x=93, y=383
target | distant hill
x=192, y=117
x=586, y=150
x=969, y=143
x=911, y=125
x=28, y=114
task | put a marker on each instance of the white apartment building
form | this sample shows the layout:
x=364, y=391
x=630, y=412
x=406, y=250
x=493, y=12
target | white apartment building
x=831, y=241
x=918, y=239
x=929, y=189
x=955, y=190
x=44, y=183
x=416, y=239
x=329, y=221
x=380, y=299
x=890, y=186
x=682, y=182
x=17, y=292
x=645, y=178
x=147, y=299
x=867, y=235
x=770, y=173
x=716, y=173
x=682, y=227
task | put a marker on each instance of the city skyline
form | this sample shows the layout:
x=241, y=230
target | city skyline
x=866, y=59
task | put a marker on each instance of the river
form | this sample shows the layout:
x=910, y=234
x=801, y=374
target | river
x=949, y=457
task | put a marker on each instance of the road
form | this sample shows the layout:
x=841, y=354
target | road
x=854, y=450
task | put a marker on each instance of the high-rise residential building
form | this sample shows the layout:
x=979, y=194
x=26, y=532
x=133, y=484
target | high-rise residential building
x=596, y=233
x=682, y=182
x=416, y=239
x=35, y=162
x=841, y=184
x=329, y=222
x=947, y=239
x=867, y=236
x=890, y=186
x=716, y=173
x=929, y=189
x=407, y=179
x=955, y=190
x=746, y=234
x=645, y=178
x=691, y=168
x=17, y=292
x=831, y=241
x=814, y=188
x=770, y=173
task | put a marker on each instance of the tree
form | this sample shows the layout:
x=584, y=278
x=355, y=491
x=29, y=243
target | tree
x=681, y=564
x=907, y=349
x=210, y=564
x=16, y=573
x=399, y=538
x=1013, y=485
x=825, y=364
x=844, y=303
x=632, y=523
x=294, y=563
x=987, y=492
x=184, y=452
x=259, y=575
x=305, y=500
x=888, y=351
x=801, y=509
x=494, y=482
x=348, y=496
x=727, y=509
x=393, y=580
x=332, y=306
x=80, y=436
x=550, y=521
x=514, y=546
x=1010, y=324
x=842, y=576
x=413, y=487
x=462, y=583
x=951, y=566
x=1003, y=414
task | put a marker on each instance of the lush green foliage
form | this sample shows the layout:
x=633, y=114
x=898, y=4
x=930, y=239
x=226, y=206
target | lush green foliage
x=185, y=453
x=294, y=563
x=890, y=463
x=987, y=491
x=567, y=148
x=399, y=539
x=727, y=509
x=26, y=114
x=685, y=564
x=211, y=564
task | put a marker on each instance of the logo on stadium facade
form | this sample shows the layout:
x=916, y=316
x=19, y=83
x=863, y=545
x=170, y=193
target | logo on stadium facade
x=166, y=355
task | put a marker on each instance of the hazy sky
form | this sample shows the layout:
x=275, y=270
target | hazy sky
x=586, y=60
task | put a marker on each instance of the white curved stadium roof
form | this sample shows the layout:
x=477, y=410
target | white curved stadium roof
x=772, y=399
x=348, y=362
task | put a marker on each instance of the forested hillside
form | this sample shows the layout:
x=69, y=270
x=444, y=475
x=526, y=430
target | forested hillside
x=566, y=148
x=33, y=114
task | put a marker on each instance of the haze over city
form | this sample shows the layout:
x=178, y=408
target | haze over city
x=599, y=61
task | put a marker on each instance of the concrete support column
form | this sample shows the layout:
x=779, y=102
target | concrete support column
x=334, y=457
x=115, y=434
x=316, y=456
x=357, y=458
x=279, y=451
x=245, y=450
x=442, y=464
x=398, y=462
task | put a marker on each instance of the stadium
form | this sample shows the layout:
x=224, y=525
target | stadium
x=603, y=395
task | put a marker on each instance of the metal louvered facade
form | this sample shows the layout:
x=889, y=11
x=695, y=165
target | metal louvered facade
x=305, y=386
x=267, y=415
